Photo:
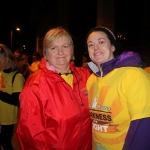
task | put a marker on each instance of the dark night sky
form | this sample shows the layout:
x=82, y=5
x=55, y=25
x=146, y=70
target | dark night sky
x=13, y=14
x=28, y=16
x=132, y=20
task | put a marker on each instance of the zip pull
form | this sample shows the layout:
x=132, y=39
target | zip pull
x=101, y=71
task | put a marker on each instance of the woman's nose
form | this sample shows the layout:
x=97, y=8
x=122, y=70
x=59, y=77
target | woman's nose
x=60, y=50
x=95, y=46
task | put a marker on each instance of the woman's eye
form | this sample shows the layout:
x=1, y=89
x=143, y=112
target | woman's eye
x=90, y=45
x=65, y=46
x=53, y=48
x=101, y=42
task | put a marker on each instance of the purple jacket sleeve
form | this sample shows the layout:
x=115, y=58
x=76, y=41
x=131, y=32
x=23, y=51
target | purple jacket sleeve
x=138, y=136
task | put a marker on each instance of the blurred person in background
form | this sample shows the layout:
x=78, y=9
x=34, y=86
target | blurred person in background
x=36, y=58
x=118, y=92
x=146, y=60
x=21, y=60
x=11, y=84
x=18, y=55
x=84, y=61
x=25, y=61
x=53, y=104
x=147, y=69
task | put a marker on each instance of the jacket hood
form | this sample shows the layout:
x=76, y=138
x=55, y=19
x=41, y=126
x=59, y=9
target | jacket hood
x=126, y=59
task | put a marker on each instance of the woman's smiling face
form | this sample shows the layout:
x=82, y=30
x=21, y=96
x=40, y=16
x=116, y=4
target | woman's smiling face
x=99, y=47
x=60, y=53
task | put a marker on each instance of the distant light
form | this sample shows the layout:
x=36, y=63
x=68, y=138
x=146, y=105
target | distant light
x=121, y=36
x=18, y=29
x=24, y=47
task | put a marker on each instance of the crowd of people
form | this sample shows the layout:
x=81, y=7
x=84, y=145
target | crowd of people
x=26, y=63
x=102, y=105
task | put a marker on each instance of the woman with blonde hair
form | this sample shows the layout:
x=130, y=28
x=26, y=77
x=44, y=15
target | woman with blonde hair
x=54, y=107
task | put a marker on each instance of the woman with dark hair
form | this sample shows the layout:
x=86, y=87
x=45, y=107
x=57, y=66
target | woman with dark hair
x=11, y=84
x=118, y=92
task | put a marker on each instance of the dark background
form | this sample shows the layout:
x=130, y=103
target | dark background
x=132, y=23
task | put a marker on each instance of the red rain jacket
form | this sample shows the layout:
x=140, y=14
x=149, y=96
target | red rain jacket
x=53, y=116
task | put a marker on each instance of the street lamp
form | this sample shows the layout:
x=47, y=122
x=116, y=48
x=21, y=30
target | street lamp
x=11, y=35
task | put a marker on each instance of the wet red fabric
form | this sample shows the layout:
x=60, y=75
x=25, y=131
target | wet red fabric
x=52, y=114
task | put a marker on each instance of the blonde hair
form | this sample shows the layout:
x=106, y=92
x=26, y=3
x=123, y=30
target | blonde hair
x=7, y=53
x=54, y=34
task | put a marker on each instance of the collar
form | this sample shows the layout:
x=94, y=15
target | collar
x=7, y=70
x=126, y=59
x=105, y=67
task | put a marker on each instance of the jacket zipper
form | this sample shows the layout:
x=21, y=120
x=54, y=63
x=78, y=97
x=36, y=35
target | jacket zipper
x=101, y=71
